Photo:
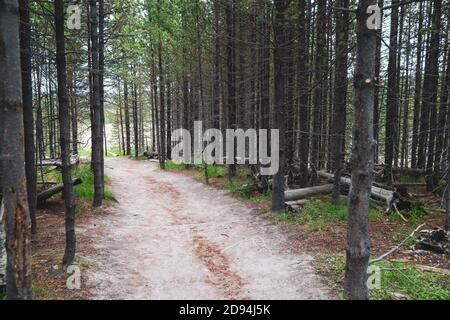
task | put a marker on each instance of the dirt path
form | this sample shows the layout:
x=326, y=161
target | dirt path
x=171, y=237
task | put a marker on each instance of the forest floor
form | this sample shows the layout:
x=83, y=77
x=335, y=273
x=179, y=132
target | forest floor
x=170, y=236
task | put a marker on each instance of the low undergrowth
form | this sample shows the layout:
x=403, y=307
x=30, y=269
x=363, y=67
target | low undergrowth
x=86, y=189
x=319, y=211
x=398, y=281
x=240, y=187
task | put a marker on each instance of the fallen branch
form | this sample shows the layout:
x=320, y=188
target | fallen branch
x=433, y=269
x=384, y=256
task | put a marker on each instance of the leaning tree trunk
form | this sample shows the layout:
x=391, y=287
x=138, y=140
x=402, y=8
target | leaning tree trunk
x=278, y=197
x=64, y=128
x=27, y=97
x=358, y=244
x=15, y=209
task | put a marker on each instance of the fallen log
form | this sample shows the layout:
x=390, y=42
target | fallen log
x=379, y=193
x=47, y=194
x=299, y=194
x=74, y=160
x=295, y=205
x=151, y=155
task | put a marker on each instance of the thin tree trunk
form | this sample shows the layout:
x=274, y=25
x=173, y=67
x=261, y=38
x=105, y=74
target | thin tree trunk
x=320, y=76
x=278, y=197
x=28, y=120
x=135, y=121
x=231, y=63
x=97, y=127
x=169, y=120
x=127, y=119
x=340, y=95
x=303, y=84
x=358, y=243
x=417, y=91
x=101, y=77
x=430, y=90
x=64, y=127
x=441, y=127
x=162, y=111
x=378, y=101
x=392, y=97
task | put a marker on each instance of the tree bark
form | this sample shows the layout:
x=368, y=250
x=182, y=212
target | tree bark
x=162, y=110
x=303, y=82
x=417, y=91
x=319, y=79
x=431, y=85
x=28, y=120
x=127, y=119
x=16, y=218
x=340, y=95
x=97, y=126
x=231, y=63
x=358, y=244
x=392, y=98
x=64, y=127
x=280, y=102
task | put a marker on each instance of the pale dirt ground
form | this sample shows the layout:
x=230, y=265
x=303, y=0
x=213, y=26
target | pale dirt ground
x=171, y=237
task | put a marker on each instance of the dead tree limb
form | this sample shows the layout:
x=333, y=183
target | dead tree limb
x=384, y=256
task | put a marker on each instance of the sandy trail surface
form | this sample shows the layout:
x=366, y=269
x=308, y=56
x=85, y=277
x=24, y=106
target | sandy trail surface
x=172, y=237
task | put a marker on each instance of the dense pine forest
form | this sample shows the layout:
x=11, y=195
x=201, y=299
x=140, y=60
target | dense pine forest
x=91, y=90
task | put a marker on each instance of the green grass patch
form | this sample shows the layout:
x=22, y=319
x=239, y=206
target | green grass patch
x=330, y=263
x=317, y=212
x=245, y=190
x=85, y=153
x=417, y=212
x=411, y=179
x=115, y=152
x=410, y=283
x=170, y=165
x=86, y=189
